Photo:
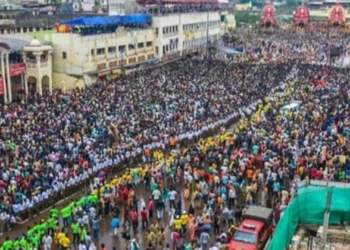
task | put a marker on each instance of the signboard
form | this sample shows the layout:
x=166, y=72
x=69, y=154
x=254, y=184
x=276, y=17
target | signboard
x=18, y=69
x=116, y=7
x=122, y=62
x=2, y=86
x=113, y=64
x=101, y=66
x=132, y=60
x=141, y=58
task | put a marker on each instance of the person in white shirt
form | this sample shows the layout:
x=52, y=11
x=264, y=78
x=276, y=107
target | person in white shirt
x=156, y=194
x=92, y=247
x=47, y=242
x=172, y=198
x=82, y=246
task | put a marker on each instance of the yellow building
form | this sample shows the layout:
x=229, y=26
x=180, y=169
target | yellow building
x=80, y=60
x=228, y=24
x=243, y=6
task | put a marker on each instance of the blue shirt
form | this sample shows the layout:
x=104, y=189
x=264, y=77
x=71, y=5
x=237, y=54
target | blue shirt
x=276, y=186
x=96, y=224
x=115, y=223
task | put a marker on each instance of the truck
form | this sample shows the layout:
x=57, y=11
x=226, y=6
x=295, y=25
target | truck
x=255, y=230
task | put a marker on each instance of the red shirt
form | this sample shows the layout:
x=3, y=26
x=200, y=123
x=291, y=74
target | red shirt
x=143, y=215
x=133, y=216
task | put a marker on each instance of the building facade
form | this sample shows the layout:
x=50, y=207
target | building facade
x=80, y=60
x=25, y=68
x=180, y=33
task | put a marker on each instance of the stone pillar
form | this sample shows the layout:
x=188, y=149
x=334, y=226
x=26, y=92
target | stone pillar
x=39, y=86
x=25, y=78
x=9, y=87
x=3, y=76
x=50, y=69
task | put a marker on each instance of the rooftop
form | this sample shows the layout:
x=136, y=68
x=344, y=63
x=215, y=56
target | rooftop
x=16, y=42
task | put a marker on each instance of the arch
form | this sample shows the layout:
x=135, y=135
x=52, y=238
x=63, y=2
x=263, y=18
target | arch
x=45, y=81
x=32, y=84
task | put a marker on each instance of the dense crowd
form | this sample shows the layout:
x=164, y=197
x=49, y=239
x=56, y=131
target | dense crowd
x=301, y=128
x=283, y=46
x=294, y=122
x=57, y=141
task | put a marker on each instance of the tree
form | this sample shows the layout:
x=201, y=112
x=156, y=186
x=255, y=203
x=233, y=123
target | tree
x=291, y=3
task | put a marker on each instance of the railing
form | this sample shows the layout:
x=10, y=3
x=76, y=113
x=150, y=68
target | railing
x=32, y=64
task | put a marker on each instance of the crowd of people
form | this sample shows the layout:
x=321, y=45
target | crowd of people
x=282, y=46
x=55, y=142
x=293, y=122
x=299, y=129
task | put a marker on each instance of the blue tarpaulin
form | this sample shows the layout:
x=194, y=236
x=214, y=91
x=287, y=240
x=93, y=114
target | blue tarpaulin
x=110, y=20
x=230, y=50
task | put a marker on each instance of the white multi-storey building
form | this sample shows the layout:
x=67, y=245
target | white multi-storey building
x=179, y=33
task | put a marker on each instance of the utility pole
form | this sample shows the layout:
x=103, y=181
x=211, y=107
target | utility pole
x=326, y=218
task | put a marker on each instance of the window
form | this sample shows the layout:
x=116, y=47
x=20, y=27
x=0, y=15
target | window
x=112, y=50
x=163, y=30
x=140, y=45
x=121, y=48
x=157, y=31
x=24, y=30
x=149, y=44
x=157, y=50
x=100, y=51
x=30, y=29
x=92, y=52
x=164, y=50
x=131, y=47
x=64, y=55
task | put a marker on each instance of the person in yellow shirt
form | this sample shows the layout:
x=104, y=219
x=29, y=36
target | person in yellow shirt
x=161, y=237
x=150, y=237
x=177, y=223
x=184, y=221
x=59, y=236
x=64, y=242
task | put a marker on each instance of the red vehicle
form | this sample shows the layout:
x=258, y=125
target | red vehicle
x=255, y=230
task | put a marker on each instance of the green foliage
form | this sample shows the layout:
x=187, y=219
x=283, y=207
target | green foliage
x=247, y=18
x=291, y=3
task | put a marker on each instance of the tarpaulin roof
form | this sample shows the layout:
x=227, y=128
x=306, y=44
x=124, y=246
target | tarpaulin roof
x=109, y=20
x=229, y=50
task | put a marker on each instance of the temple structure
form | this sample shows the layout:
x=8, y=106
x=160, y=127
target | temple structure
x=337, y=15
x=268, y=15
x=302, y=16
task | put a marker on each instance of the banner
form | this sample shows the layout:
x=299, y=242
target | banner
x=17, y=69
x=2, y=86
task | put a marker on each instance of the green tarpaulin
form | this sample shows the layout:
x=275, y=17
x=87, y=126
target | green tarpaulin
x=309, y=208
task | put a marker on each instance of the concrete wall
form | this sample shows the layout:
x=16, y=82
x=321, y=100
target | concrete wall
x=66, y=82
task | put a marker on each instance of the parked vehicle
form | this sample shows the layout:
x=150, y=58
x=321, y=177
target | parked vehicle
x=255, y=230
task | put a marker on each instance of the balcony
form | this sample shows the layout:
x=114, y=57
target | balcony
x=33, y=64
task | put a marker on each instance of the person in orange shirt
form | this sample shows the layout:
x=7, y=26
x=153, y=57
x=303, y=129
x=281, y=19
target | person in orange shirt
x=172, y=142
x=148, y=154
x=192, y=228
